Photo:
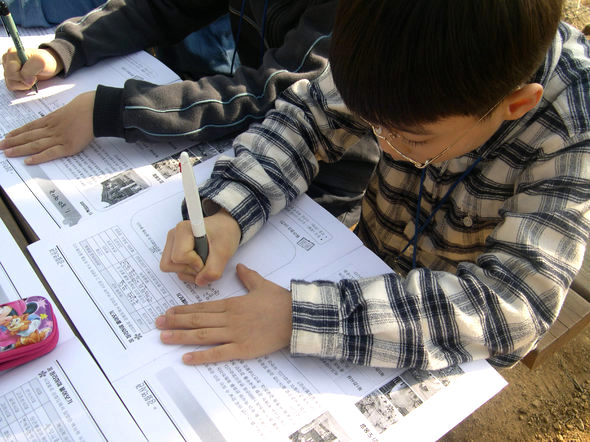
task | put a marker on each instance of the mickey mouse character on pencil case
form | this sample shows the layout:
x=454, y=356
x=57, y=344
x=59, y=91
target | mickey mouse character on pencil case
x=24, y=323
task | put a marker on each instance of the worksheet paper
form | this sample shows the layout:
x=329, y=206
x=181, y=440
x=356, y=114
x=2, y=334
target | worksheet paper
x=105, y=272
x=63, y=395
x=59, y=194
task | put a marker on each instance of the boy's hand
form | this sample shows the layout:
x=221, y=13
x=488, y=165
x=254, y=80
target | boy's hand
x=61, y=133
x=223, y=234
x=42, y=64
x=243, y=327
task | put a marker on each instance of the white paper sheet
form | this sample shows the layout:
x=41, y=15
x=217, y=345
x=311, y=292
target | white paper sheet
x=64, y=192
x=276, y=397
x=17, y=278
x=63, y=395
x=106, y=270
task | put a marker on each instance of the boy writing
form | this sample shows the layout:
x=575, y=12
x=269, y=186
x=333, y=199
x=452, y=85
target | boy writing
x=278, y=42
x=480, y=203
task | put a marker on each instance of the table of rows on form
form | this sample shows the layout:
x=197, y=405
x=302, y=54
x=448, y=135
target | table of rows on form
x=134, y=286
x=27, y=412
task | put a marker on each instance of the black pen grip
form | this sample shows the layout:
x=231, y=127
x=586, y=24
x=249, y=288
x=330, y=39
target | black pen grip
x=202, y=247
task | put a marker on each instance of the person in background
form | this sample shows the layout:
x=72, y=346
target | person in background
x=480, y=203
x=207, y=51
x=48, y=13
x=278, y=43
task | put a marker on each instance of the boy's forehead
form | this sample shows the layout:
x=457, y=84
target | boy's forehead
x=432, y=128
x=415, y=129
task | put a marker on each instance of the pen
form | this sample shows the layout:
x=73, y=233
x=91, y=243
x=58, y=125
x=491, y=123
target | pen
x=11, y=30
x=193, y=205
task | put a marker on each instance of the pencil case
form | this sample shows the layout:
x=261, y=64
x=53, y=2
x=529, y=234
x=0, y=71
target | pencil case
x=28, y=329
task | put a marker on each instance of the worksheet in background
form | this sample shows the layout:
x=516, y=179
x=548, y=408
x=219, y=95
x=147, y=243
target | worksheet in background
x=64, y=192
x=63, y=395
x=105, y=272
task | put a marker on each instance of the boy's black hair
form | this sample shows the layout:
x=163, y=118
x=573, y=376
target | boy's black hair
x=401, y=63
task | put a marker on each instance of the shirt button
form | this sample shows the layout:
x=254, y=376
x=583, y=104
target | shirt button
x=467, y=221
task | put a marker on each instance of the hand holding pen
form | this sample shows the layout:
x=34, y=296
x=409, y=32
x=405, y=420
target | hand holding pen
x=188, y=238
x=11, y=30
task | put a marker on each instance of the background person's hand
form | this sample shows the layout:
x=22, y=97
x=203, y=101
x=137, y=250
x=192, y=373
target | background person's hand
x=243, y=327
x=42, y=64
x=223, y=234
x=61, y=133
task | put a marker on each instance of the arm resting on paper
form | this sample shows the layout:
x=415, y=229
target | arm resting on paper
x=210, y=108
x=226, y=324
x=242, y=327
x=51, y=136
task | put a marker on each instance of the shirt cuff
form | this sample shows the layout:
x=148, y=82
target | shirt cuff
x=107, y=114
x=317, y=329
x=237, y=200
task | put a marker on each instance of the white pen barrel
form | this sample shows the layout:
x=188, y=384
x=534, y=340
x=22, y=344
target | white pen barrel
x=193, y=206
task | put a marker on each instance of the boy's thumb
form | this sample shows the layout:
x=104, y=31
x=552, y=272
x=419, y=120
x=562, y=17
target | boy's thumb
x=250, y=278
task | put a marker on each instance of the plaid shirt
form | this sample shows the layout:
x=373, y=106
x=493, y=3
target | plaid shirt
x=493, y=265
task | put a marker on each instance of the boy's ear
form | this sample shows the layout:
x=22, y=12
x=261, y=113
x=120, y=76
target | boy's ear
x=522, y=100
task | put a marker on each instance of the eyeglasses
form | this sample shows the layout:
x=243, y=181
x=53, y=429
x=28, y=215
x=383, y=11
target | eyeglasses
x=378, y=131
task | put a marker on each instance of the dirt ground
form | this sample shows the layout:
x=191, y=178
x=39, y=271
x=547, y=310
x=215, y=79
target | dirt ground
x=549, y=403
x=552, y=402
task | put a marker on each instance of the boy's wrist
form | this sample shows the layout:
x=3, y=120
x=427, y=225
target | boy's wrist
x=236, y=200
x=59, y=64
x=62, y=51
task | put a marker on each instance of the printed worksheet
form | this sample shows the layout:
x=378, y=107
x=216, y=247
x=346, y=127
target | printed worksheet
x=106, y=270
x=105, y=273
x=278, y=397
x=62, y=193
x=63, y=395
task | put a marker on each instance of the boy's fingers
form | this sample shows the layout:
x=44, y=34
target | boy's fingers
x=213, y=269
x=250, y=278
x=218, y=306
x=31, y=68
x=49, y=154
x=17, y=72
x=190, y=321
x=166, y=264
x=219, y=353
x=182, y=251
x=173, y=260
x=187, y=274
x=29, y=148
x=30, y=131
x=198, y=336
x=11, y=63
x=17, y=85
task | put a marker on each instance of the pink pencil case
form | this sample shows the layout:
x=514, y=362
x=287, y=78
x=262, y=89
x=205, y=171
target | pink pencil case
x=28, y=329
